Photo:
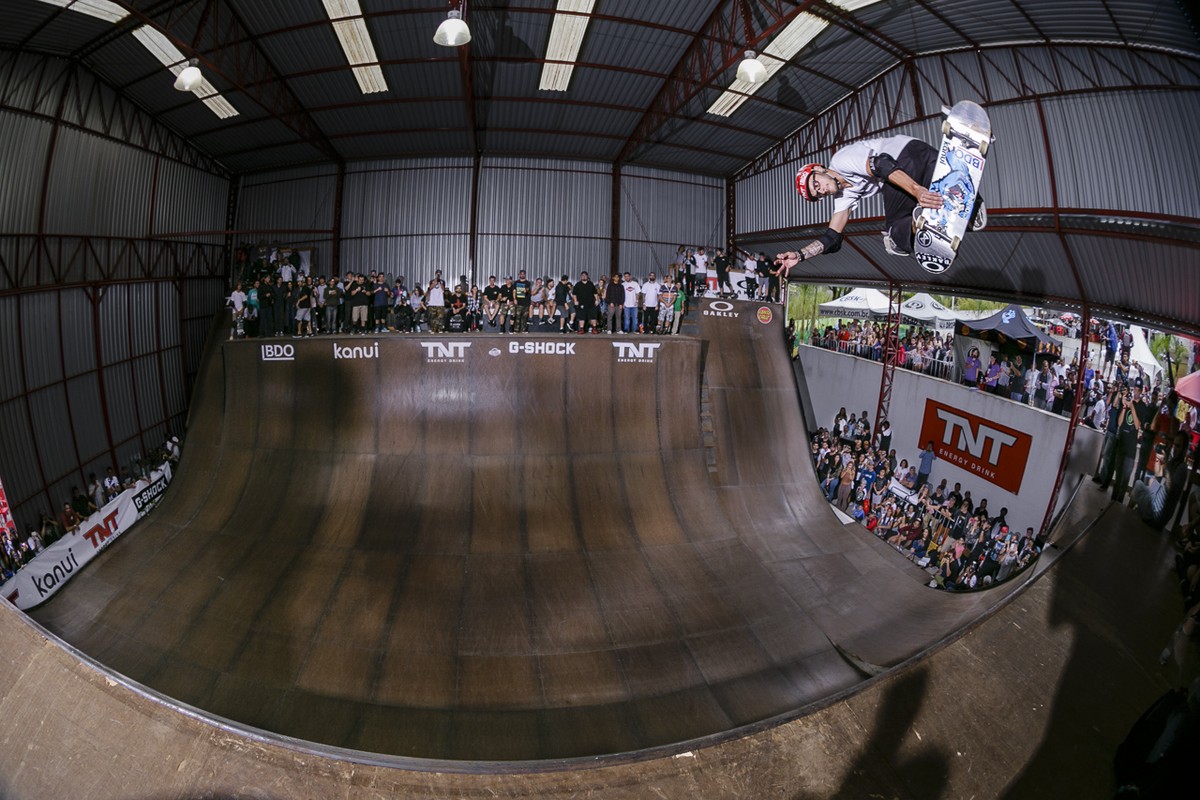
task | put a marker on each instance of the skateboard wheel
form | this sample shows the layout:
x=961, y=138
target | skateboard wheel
x=983, y=148
x=954, y=243
x=945, y=127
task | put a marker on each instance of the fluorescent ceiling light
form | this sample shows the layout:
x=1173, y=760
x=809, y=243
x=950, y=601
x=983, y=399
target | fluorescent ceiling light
x=100, y=9
x=782, y=49
x=566, y=36
x=170, y=57
x=351, y=30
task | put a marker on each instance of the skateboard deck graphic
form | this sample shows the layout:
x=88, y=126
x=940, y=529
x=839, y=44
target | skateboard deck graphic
x=966, y=134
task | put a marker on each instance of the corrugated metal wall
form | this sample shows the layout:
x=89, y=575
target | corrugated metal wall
x=292, y=207
x=549, y=217
x=661, y=210
x=107, y=296
x=407, y=217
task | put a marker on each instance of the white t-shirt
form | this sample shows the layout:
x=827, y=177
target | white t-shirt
x=632, y=290
x=701, y=263
x=852, y=162
x=650, y=290
x=286, y=271
x=436, y=296
x=238, y=299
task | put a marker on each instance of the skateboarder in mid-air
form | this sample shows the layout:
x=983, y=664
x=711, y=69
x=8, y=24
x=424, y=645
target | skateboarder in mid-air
x=899, y=166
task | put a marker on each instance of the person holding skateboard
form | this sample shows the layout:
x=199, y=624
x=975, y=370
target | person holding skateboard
x=899, y=166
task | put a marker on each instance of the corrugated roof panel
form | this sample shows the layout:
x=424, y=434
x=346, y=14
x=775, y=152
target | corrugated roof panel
x=632, y=46
x=1138, y=159
x=302, y=49
x=1153, y=22
x=22, y=163
x=65, y=32
x=1134, y=274
x=981, y=22
x=448, y=114
x=561, y=118
x=519, y=142
x=914, y=26
x=98, y=187
x=264, y=16
x=687, y=16
x=1016, y=175
x=417, y=143
x=18, y=20
x=606, y=86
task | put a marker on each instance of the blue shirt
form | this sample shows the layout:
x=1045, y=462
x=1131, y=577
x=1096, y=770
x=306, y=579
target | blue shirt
x=927, y=459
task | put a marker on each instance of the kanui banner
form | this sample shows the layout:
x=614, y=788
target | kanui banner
x=38, y=580
x=992, y=451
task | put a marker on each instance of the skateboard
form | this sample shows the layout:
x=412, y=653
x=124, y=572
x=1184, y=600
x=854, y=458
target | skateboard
x=937, y=232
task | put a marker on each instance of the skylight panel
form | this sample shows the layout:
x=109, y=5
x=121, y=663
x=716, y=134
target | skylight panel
x=100, y=9
x=782, y=49
x=170, y=57
x=351, y=30
x=566, y=36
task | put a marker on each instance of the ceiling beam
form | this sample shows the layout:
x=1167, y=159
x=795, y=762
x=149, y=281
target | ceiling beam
x=226, y=49
x=716, y=47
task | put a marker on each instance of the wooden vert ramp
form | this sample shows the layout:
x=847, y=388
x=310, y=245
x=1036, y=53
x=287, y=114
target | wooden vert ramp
x=497, y=548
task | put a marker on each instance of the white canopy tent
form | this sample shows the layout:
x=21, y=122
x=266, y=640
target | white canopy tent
x=1141, y=355
x=859, y=304
x=921, y=308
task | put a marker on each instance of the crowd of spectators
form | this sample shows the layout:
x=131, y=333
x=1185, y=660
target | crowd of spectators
x=17, y=550
x=959, y=541
x=371, y=304
x=920, y=350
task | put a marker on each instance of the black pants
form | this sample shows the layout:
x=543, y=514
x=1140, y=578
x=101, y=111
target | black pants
x=917, y=159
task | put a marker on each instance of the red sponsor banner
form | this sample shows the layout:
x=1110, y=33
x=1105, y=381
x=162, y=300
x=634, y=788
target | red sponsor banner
x=6, y=519
x=994, y=452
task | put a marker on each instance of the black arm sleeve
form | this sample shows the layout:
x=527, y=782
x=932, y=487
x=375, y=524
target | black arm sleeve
x=883, y=165
x=831, y=240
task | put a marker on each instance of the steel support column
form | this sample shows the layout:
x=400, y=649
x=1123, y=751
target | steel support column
x=614, y=262
x=335, y=260
x=1075, y=409
x=473, y=234
x=730, y=217
x=891, y=339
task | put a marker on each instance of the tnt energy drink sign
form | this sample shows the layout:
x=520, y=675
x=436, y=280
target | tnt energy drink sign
x=50, y=569
x=994, y=452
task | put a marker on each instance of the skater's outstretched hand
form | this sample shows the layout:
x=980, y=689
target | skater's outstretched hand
x=784, y=263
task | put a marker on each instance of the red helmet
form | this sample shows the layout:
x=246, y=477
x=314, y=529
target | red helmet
x=802, y=181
